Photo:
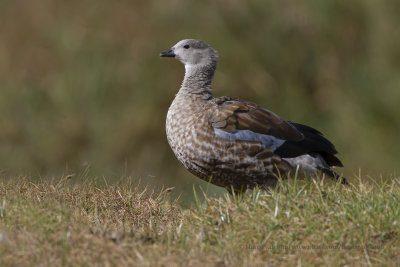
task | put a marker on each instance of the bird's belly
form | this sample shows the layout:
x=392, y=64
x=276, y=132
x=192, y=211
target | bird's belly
x=224, y=162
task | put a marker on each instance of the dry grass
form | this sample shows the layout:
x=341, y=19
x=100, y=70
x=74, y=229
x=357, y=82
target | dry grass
x=60, y=222
x=54, y=223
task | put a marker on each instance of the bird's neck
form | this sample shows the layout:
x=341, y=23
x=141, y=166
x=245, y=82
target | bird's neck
x=198, y=79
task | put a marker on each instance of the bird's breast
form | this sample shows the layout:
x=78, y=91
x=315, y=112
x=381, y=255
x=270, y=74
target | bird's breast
x=190, y=136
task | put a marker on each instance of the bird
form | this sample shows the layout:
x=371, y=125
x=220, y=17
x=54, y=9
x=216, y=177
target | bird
x=236, y=144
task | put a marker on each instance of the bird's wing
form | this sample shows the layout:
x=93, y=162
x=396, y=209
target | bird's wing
x=243, y=120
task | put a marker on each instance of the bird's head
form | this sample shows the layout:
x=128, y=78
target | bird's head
x=192, y=53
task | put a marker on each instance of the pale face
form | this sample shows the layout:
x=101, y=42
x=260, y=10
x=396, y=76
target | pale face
x=192, y=52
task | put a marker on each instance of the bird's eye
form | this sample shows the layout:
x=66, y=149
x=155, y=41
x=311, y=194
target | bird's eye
x=186, y=46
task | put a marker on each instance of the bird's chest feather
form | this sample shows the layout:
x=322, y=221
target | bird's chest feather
x=189, y=134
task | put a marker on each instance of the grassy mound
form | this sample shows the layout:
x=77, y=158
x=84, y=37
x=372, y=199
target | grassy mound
x=64, y=223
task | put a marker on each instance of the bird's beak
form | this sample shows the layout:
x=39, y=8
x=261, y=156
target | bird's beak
x=169, y=53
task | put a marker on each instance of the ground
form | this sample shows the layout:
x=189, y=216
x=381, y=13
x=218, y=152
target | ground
x=74, y=223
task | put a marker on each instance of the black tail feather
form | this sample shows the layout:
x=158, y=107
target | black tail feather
x=314, y=142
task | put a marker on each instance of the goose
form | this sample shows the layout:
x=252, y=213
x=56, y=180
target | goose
x=234, y=143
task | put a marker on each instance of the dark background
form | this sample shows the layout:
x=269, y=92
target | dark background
x=82, y=89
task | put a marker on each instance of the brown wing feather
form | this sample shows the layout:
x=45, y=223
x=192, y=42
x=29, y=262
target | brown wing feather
x=231, y=115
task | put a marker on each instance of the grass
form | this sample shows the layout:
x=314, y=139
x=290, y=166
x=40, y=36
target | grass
x=65, y=222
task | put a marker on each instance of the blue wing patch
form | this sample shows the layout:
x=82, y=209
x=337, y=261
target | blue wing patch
x=246, y=135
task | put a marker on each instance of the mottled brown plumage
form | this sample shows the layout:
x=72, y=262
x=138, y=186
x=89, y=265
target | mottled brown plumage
x=232, y=143
x=232, y=115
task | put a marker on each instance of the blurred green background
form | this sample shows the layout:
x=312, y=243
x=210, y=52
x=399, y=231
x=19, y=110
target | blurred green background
x=82, y=86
